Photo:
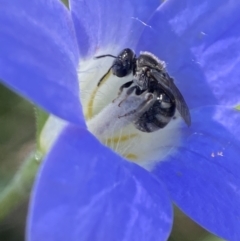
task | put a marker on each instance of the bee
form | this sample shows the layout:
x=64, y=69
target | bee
x=152, y=82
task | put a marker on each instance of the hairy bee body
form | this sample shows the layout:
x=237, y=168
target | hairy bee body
x=150, y=79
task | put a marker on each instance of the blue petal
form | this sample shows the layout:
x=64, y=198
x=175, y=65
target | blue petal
x=105, y=23
x=86, y=192
x=202, y=175
x=200, y=41
x=39, y=55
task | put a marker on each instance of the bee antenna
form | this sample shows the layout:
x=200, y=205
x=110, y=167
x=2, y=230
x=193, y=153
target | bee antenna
x=105, y=55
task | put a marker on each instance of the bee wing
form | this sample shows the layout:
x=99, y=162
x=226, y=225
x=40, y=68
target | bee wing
x=168, y=86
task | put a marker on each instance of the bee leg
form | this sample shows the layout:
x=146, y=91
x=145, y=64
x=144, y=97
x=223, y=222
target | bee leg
x=149, y=98
x=129, y=92
x=126, y=85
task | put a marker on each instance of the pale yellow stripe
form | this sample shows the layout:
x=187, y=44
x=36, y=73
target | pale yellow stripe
x=89, y=113
x=119, y=139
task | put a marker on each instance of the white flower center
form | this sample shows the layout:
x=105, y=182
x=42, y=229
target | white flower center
x=110, y=117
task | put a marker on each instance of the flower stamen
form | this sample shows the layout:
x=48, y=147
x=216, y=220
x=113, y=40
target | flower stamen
x=118, y=139
x=131, y=156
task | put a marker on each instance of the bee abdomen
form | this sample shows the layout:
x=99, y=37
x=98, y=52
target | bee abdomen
x=157, y=117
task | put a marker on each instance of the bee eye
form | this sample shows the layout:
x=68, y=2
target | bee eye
x=119, y=70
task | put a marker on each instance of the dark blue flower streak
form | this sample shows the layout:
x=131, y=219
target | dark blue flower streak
x=86, y=192
x=39, y=55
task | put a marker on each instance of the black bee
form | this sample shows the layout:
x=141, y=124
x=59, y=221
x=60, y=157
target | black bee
x=151, y=80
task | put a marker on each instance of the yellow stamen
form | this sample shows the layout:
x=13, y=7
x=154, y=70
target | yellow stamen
x=119, y=139
x=131, y=156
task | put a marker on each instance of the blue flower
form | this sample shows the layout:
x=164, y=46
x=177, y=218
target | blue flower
x=85, y=191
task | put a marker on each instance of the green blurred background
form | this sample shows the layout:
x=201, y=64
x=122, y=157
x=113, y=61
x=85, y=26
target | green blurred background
x=17, y=140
